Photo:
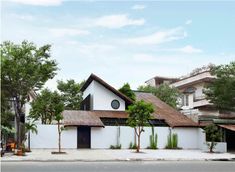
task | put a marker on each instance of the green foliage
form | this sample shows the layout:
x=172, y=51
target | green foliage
x=132, y=146
x=71, y=93
x=115, y=146
x=47, y=107
x=6, y=112
x=213, y=135
x=30, y=126
x=147, y=88
x=139, y=115
x=221, y=92
x=153, y=140
x=24, y=67
x=164, y=92
x=172, y=141
x=7, y=131
x=126, y=90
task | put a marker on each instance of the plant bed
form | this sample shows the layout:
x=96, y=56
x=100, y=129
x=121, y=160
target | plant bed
x=58, y=153
x=173, y=148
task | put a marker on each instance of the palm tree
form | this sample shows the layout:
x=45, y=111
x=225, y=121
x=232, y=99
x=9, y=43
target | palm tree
x=30, y=127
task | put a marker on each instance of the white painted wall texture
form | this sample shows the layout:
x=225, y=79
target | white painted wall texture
x=103, y=138
x=101, y=97
x=47, y=137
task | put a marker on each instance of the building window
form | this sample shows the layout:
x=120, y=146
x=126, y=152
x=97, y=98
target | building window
x=115, y=104
x=186, y=100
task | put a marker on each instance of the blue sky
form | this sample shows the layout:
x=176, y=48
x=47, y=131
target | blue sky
x=124, y=41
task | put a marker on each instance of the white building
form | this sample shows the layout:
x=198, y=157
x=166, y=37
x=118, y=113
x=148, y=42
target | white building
x=102, y=122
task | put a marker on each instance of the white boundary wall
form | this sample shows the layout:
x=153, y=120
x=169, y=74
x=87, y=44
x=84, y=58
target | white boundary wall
x=103, y=138
x=47, y=137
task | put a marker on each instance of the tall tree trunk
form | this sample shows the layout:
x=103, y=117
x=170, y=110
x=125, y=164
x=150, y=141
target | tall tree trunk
x=138, y=146
x=211, y=147
x=17, y=117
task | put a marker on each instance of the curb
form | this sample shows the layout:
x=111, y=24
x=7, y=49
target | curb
x=117, y=160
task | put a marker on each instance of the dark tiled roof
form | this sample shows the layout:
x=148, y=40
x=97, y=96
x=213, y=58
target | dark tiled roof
x=114, y=114
x=106, y=85
x=91, y=118
x=81, y=118
x=163, y=111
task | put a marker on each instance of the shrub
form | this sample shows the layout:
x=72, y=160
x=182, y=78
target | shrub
x=153, y=140
x=172, y=141
x=115, y=146
x=213, y=135
x=132, y=146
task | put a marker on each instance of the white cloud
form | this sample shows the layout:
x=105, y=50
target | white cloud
x=158, y=59
x=138, y=7
x=39, y=2
x=117, y=21
x=60, y=32
x=23, y=17
x=189, y=49
x=159, y=37
x=144, y=58
x=188, y=22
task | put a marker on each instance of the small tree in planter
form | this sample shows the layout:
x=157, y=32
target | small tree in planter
x=58, y=107
x=60, y=128
x=139, y=114
x=213, y=135
x=30, y=127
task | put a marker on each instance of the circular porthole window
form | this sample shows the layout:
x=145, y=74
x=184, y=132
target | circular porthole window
x=115, y=104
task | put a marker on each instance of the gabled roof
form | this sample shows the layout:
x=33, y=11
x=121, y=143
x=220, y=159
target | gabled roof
x=163, y=111
x=93, y=77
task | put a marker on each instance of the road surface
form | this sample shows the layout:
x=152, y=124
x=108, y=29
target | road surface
x=161, y=166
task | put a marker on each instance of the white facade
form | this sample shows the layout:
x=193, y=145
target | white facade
x=103, y=138
x=101, y=97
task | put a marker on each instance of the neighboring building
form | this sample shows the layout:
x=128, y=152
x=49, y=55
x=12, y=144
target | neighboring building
x=102, y=122
x=158, y=80
x=193, y=104
x=193, y=101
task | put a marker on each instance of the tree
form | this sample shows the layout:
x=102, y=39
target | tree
x=164, y=92
x=7, y=116
x=221, y=92
x=24, y=67
x=126, y=90
x=213, y=135
x=139, y=115
x=43, y=108
x=58, y=118
x=48, y=107
x=71, y=93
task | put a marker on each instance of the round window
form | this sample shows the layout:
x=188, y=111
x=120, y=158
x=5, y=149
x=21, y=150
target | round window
x=115, y=104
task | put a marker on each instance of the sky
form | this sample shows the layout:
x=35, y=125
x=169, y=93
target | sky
x=124, y=41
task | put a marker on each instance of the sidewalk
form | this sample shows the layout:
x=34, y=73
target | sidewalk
x=118, y=155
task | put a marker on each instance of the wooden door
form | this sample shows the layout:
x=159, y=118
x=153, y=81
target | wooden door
x=83, y=137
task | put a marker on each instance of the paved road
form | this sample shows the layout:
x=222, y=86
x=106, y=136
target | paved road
x=160, y=166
